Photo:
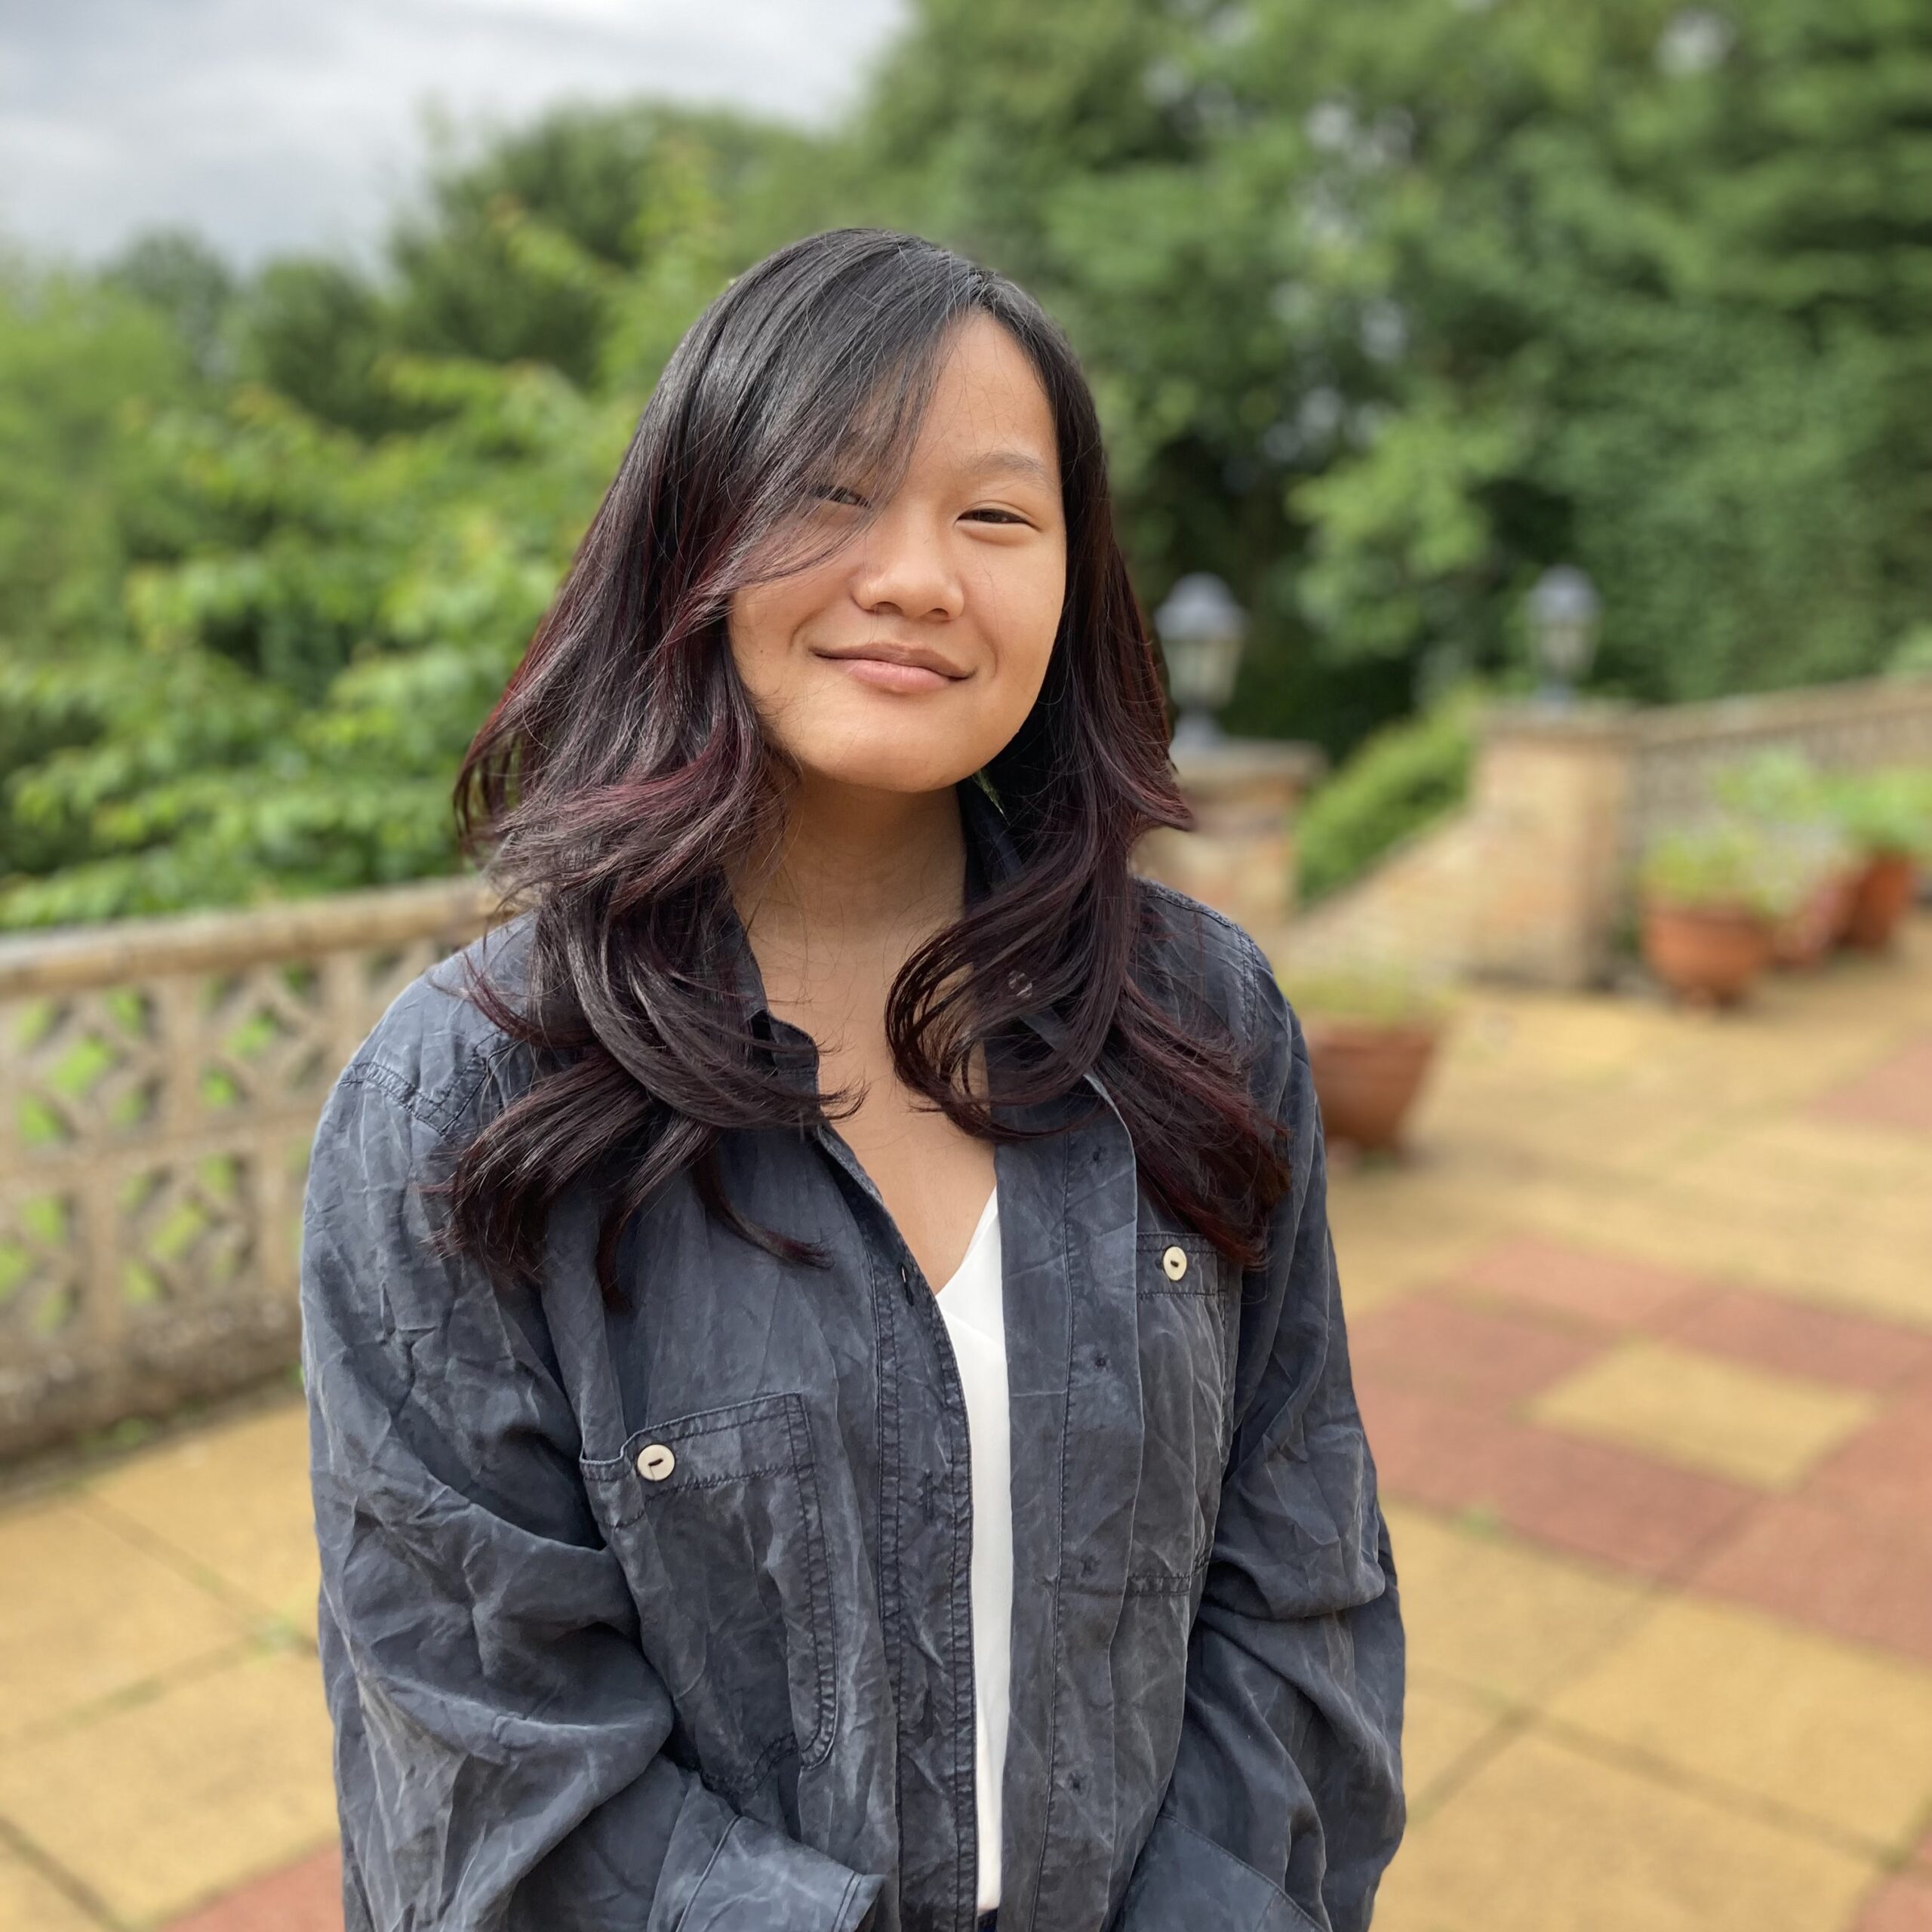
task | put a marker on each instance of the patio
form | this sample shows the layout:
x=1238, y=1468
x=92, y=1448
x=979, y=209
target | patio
x=1643, y=1333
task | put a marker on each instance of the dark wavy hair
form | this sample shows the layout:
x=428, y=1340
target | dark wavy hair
x=624, y=771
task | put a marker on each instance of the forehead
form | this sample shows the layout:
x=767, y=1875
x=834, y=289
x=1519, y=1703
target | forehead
x=989, y=411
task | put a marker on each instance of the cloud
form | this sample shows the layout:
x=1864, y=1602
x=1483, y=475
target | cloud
x=270, y=125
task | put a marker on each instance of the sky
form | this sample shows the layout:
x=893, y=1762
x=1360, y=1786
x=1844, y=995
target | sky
x=273, y=125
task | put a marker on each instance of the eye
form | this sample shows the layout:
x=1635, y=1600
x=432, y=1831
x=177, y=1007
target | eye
x=1000, y=516
x=837, y=493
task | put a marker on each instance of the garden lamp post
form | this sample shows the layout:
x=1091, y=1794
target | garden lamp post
x=1202, y=628
x=1563, y=611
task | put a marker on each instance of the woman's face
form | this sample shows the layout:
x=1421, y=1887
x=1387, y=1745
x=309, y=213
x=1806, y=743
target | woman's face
x=962, y=572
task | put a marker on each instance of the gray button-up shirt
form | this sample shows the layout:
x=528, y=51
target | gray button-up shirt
x=658, y=1617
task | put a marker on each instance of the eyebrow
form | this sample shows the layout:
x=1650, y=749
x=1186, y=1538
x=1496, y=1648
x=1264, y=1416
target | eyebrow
x=1018, y=461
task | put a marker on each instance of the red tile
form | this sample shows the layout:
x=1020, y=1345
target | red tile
x=1591, y=1498
x=1899, y=1905
x=1607, y=1290
x=305, y=1897
x=1895, y=1093
x=1857, y=1576
x=1768, y=1331
x=1885, y=1470
x=1491, y=1357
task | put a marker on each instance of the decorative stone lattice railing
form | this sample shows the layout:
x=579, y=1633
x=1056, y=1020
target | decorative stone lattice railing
x=159, y=1085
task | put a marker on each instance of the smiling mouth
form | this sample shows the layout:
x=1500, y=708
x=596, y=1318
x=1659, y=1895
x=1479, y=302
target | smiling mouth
x=891, y=673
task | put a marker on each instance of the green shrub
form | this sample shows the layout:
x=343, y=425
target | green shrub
x=1885, y=812
x=1727, y=860
x=1399, y=779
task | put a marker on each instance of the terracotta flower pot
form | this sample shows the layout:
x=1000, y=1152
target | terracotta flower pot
x=1820, y=923
x=1707, y=953
x=1368, y=1074
x=1885, y=889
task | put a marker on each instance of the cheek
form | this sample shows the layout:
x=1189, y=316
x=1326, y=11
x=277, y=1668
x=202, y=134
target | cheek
x=1025, y=611
x=760, y=624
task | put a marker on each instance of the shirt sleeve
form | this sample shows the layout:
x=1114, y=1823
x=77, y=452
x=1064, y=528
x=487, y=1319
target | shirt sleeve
x=1286, y=1802
x=499, y=1732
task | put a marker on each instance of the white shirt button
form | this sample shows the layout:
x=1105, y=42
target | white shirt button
x=1175, y=1261
x=655, y=1462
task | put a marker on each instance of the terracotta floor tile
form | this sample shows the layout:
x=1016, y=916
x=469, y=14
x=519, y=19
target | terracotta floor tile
x=1896, y=1093
x=1899, y=1905
x=1542, y=1838
x=1702, y=1412
x=1607, y=1290
x=1772, y=1331
x=305, y=1897
x=1860, y=1577
x=1885, y=1469
x=1835, y=1732
x=1490, y=1356
x=1590, y=1498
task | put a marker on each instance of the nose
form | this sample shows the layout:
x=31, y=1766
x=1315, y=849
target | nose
x=904, y=568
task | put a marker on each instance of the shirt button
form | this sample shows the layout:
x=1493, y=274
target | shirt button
x=655, y=1462
x=1175, y=1261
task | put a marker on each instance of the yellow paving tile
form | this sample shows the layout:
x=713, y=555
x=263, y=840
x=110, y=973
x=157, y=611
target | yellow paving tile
x=1495, y=1616
x=28, y=1903
x=86, y=1614
x=1545, y=1838
x=1703, y=1412
x=234, y=1499
x=1851, y=1259
x=1849, y=1165
x=1840, y=1735
x=1442, y=1724
x=1394, y=1232
x=157, y=1804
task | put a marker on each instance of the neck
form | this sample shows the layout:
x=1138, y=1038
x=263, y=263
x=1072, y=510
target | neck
x=858, y=868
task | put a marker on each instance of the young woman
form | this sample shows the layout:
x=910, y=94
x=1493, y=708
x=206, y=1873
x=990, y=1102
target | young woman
x=830, y=1407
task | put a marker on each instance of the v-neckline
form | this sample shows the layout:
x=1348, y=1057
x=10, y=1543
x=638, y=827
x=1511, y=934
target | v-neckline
x=979, y=1235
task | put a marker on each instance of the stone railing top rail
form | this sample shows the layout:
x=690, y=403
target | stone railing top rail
x=73, y=959
x=1755, y=715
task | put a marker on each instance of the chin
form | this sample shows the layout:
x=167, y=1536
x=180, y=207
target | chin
x=889, y=763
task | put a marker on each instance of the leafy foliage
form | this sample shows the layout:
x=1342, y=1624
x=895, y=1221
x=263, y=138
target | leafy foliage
x=1401, y=779
x=1387, y=310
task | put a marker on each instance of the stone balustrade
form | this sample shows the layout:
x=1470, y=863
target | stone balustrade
x=161, y=1080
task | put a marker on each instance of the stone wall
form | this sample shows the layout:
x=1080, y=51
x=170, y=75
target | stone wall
x=1530, y=880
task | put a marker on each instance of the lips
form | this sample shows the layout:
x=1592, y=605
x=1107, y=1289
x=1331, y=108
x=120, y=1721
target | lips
x=892, y=667
x=920, y=656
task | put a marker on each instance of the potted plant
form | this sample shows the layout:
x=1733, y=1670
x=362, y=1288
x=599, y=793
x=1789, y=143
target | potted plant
x=1712, y=894
x=1887, y=816
x=1372, y=1034
x=1784, y=791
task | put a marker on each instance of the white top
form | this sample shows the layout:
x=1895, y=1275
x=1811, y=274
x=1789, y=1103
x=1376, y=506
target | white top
x=975, y=1319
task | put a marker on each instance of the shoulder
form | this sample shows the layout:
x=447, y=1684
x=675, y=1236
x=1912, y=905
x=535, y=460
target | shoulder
x=1224, y=963
x=435, y=1052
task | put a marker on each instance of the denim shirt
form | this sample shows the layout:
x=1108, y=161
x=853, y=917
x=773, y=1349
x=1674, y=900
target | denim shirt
x=656, y=1618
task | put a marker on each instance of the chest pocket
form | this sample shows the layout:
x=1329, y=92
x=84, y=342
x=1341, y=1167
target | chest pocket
x=715, y=1517
x=1188, y=1339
